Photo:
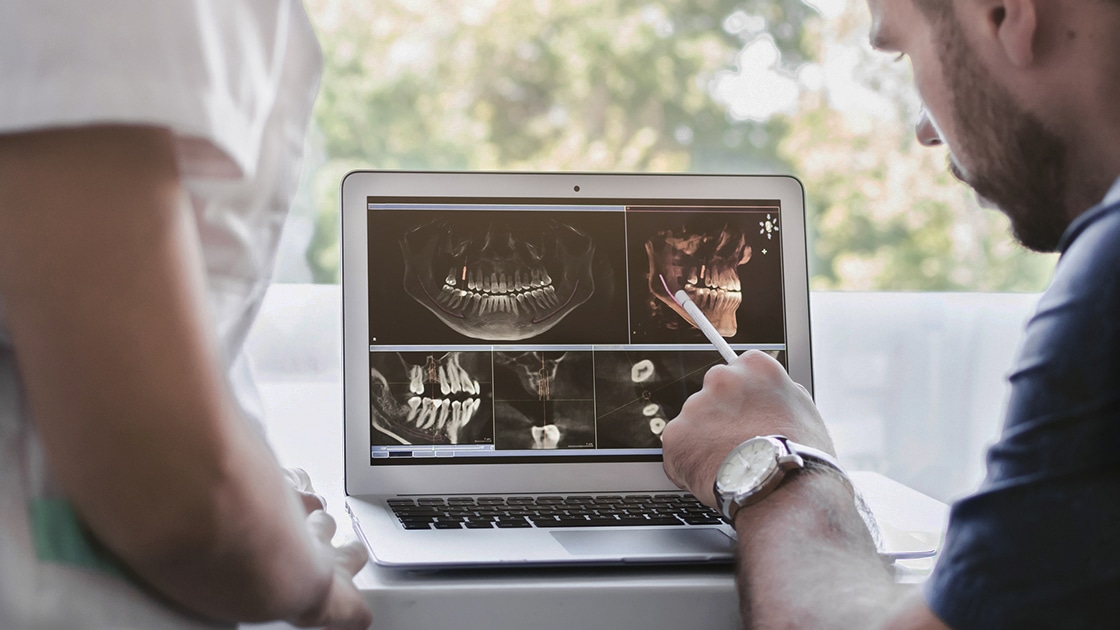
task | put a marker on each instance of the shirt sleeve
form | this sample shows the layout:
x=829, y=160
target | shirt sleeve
x=206, y=69
x=1037, y=545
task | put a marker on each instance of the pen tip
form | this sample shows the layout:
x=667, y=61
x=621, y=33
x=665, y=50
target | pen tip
x=681, y=296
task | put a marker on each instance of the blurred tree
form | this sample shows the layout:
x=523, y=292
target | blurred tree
x=643, y=85
x=618, y=85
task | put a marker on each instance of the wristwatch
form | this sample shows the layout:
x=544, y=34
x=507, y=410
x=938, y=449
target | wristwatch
x=756, y=467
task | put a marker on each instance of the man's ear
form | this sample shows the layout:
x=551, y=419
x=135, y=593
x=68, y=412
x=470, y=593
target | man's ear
x=1015, y=25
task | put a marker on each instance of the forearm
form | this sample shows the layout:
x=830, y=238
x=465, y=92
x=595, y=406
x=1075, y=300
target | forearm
x=106, y=305
x=240, y=550
x=807, y=560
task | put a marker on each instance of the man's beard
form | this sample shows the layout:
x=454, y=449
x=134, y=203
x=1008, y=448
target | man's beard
x=1014, y=161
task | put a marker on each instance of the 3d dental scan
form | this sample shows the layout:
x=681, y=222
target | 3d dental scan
x=551, y=331
x=728, y=263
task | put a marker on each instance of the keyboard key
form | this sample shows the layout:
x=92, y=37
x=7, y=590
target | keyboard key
x=415, y=526
x=448, y=525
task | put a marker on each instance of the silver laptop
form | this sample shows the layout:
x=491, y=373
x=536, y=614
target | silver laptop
x=512, y=353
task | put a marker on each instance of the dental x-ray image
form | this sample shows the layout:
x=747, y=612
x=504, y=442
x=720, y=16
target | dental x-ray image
x=497, y=276
x=423, y=398
x=728, y=262
x=543, y=400
x=638, y=392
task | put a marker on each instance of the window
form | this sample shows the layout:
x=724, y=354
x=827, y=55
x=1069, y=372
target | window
x=673, y=85
x=912, y=382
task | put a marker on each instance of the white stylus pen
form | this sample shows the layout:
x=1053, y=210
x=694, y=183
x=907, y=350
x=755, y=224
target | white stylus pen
x=705, y=326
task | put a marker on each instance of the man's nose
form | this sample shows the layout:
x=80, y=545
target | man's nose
x=926, y=131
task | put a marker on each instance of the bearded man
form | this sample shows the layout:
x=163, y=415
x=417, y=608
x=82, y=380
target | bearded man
x=1025, y=94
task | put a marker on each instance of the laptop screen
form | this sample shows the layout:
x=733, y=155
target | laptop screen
x=535, y=331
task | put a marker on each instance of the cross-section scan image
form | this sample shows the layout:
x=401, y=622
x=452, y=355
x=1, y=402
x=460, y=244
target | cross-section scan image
x=543, y=400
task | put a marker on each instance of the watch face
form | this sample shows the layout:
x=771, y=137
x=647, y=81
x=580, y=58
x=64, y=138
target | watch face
x=748, y=465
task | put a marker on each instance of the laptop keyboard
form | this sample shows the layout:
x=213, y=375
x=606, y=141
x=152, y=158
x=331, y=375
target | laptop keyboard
x=490, y=511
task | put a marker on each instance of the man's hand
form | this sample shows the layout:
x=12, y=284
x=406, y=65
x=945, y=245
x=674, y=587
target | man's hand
x=750, y=397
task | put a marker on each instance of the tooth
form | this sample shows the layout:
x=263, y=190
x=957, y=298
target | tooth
x=461, y=379
x=502, y=283
x=642, y=371
x=456, y=416
x=416, y=379
x=550, y=295
x=471, y=284
x=538, y=298
x=469, y=386
x=413, y=407
x=650, y=410
x=478, y=280
x=472, y=304
x=444, y=386
x=453, y=429
x=450, y=278
x=492, y=285
x=545, y=279
x=692, y=279
x=536, y=279
x=446, y=294
x=517, y=286
x=470, y=406
x=656, y=425
x=453, y=383
x=428, y=415
x=444, y=406
x=513, y=304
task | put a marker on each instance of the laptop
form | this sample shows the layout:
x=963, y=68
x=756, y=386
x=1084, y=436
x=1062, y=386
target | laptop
x=512, y=354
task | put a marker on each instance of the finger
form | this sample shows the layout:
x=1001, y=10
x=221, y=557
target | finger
x=321, y=525
x=348, y=610
x=351, y=556
x=312, y=501
x=299, y=479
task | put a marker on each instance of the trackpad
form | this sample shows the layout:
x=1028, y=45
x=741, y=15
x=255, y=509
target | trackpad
x=626, y=544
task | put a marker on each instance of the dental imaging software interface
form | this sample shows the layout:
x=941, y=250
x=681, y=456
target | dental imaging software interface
x=521, y=332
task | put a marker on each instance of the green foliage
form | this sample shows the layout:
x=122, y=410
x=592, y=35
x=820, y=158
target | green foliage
x=626, y=85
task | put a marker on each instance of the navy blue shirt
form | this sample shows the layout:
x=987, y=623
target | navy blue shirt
x=1038, y=545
